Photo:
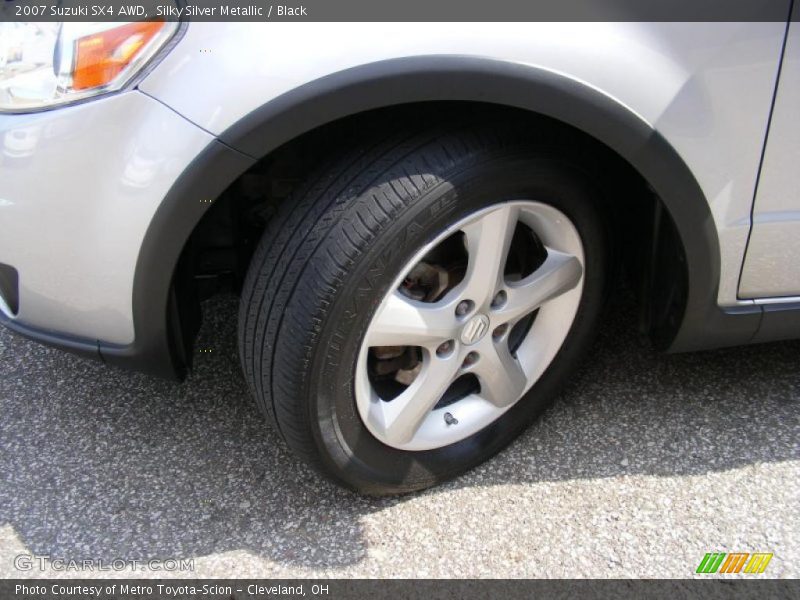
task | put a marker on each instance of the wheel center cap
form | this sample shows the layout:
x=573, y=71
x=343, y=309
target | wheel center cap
x=475, y=329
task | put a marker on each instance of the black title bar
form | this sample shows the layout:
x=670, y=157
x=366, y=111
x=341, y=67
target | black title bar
x=395, y=10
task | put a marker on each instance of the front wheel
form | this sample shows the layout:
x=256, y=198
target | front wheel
x=419, y=303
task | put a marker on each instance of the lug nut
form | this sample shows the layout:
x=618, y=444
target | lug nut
x=464, y=307
x=499, y=299
x=500, y=331
x=445, y=348
x=470, y=359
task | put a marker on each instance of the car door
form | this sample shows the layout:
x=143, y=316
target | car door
x=772, y=261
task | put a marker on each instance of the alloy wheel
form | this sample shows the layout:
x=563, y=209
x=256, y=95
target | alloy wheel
x=471, y=323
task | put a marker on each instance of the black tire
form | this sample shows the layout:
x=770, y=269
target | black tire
x=326, y=260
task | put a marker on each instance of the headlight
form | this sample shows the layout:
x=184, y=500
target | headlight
x=47, y=64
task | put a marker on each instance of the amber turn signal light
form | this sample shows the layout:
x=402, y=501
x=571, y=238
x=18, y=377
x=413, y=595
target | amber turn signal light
x=101, y=56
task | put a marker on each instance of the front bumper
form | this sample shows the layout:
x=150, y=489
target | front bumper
x=79, y=187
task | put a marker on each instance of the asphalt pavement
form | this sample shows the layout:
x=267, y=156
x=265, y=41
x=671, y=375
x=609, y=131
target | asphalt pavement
x=645, y=463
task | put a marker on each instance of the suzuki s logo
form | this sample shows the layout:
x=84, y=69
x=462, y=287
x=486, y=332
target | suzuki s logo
x=475, y=329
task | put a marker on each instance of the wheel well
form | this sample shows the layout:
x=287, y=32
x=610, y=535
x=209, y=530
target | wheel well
x=646, y=244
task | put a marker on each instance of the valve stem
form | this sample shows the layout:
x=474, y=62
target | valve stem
x=450, y=419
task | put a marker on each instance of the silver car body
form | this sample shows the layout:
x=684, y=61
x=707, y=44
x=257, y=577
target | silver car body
x=772, y=268
x=80, y=186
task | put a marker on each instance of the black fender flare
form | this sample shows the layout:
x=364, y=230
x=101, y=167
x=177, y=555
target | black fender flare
x=700, y=322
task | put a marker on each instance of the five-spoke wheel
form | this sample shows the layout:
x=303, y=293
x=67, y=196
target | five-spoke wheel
x=465, y=332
